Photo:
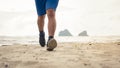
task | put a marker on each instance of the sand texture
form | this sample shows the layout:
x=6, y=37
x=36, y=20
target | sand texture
x=66, y=55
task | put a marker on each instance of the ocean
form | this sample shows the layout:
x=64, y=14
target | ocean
x=5, y=40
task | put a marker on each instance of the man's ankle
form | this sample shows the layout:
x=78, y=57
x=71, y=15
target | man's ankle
x=50, y=37
x=42, y=33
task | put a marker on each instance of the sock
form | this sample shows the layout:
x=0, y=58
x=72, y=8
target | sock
x=50, y=37
x=41, y=32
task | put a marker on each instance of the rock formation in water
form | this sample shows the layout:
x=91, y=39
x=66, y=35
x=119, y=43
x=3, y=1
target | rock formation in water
x=83, y=33
x=65, y=33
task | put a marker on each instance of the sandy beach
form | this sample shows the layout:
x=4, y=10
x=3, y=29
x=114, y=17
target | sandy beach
x=66, y=55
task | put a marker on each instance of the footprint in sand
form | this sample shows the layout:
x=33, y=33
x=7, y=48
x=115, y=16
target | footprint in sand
x=5, y=45
x=0, y=54
x=118, y=44
x=4, y=65
x=90, y=44
x=86, y=64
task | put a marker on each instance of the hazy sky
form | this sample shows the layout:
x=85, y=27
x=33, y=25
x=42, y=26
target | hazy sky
x=98, y=17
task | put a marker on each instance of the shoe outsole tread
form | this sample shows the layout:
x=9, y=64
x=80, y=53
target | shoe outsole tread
x=52, y=43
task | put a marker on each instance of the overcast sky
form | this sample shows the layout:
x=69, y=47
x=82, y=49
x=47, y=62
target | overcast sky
x=98, y=17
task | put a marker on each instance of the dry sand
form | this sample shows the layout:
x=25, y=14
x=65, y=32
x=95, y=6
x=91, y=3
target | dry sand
x=66, y=55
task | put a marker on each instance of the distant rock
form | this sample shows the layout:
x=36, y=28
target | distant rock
x=84, y=33
x=65, y=33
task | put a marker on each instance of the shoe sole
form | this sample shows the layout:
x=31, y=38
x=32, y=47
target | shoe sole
x=51, y=44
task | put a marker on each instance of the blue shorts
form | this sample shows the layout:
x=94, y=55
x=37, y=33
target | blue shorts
x=43, y=5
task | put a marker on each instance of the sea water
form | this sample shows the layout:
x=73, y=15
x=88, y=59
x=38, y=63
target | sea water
x=67, y=39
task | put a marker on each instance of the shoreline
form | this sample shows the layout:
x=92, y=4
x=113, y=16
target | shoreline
x=7, y=40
